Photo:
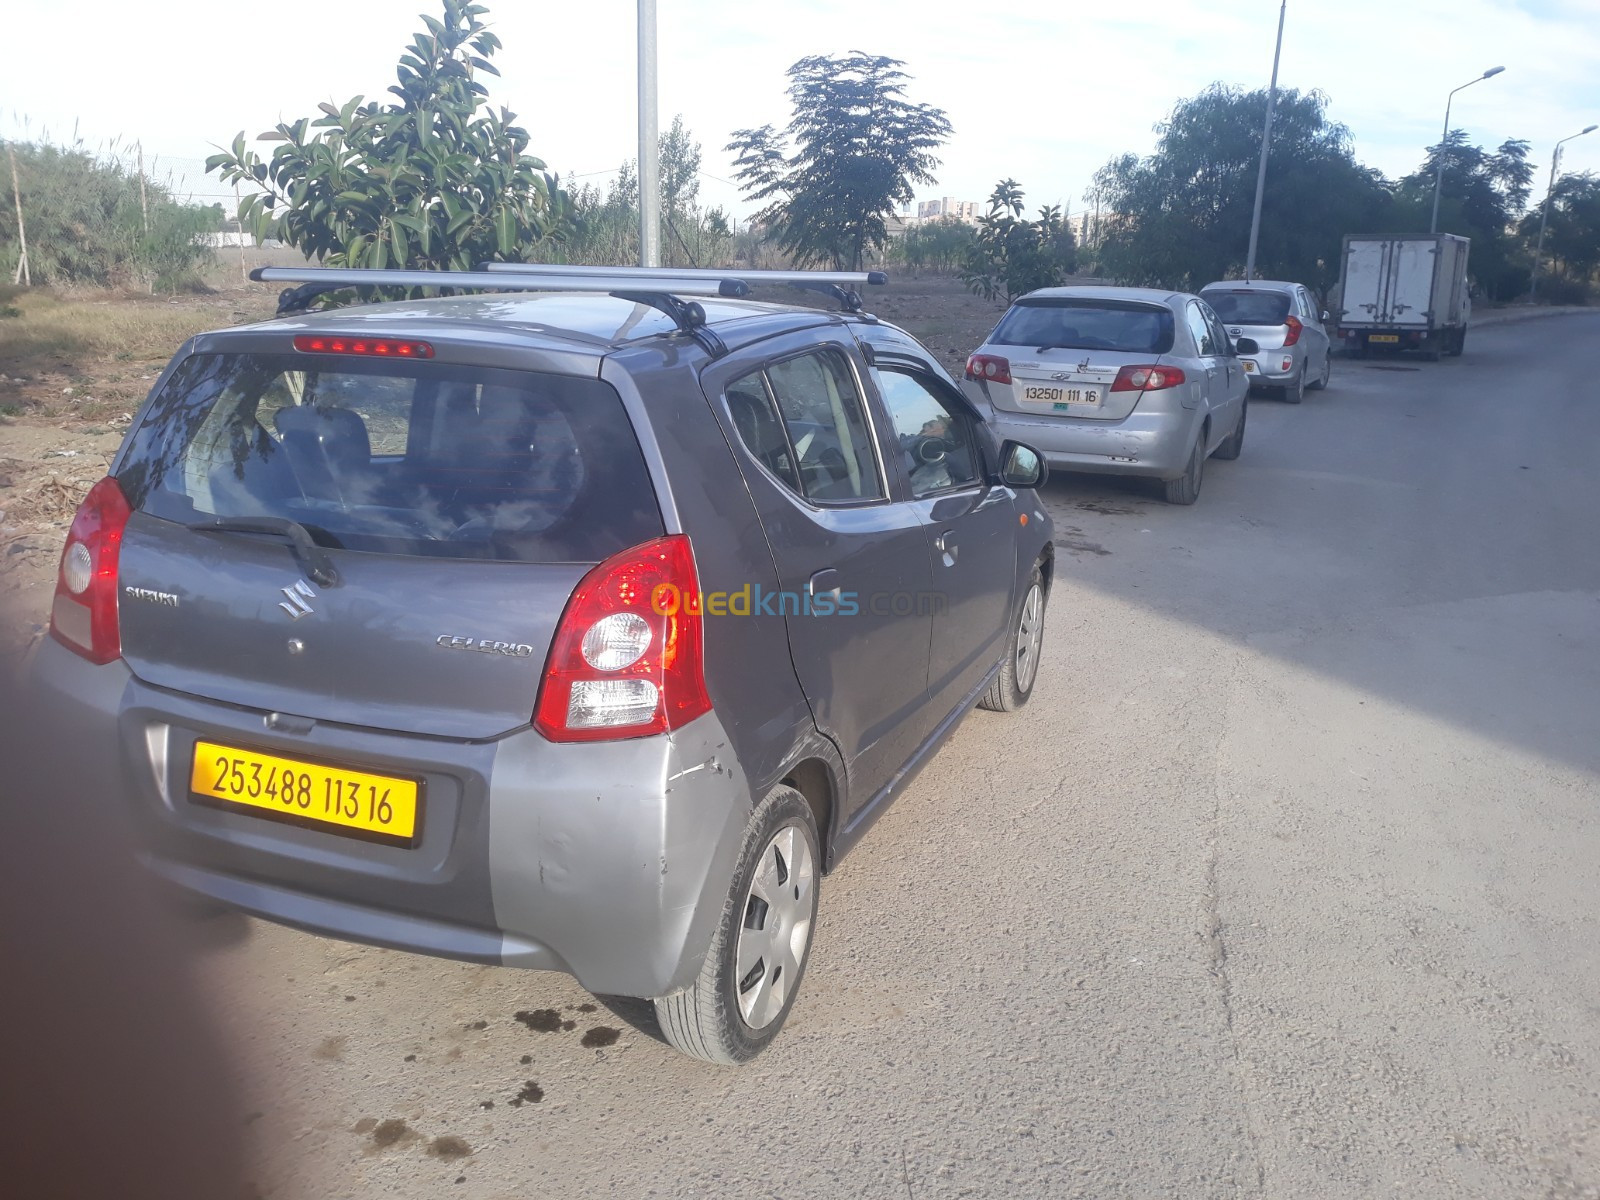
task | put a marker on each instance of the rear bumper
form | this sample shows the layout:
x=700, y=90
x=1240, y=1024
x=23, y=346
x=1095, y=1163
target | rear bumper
x=1269, y=370
x=609, y=861
x=1155, y=444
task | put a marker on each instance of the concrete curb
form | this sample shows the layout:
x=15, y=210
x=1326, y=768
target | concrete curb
x=1505, y=316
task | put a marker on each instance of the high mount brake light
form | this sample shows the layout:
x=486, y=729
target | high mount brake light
x=1294, y=325
x=628, y=658
x=990, y=367
x=83, y=615
x=316, y=343
x=1147, y=379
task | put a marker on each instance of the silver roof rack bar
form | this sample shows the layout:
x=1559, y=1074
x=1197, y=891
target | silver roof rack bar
x=710, y=284
x=844, y=278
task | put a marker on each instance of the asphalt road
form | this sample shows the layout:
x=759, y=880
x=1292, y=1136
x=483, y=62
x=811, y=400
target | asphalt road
x=1285, y=884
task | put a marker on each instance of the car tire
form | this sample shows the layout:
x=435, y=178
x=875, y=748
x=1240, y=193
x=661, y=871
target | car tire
x=715, y=1018
x=1019, y=669
x=1327, y=373
x=1230, y=448
x=1185, y=489
x=1295, y=391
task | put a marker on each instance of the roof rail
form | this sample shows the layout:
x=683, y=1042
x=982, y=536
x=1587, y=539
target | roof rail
x=838, y=284
x=659, y=290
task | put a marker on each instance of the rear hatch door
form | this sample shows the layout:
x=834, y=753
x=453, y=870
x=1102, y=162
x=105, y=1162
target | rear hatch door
x=1065, y=355
x=1254, y=313
x=452, y=510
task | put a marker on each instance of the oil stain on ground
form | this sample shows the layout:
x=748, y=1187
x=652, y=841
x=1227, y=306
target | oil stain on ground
x=601, y=1035
x=531, y=1093
x=392, y=1132
x=449, y=1146
x=1071, y=538
x=544, y=1020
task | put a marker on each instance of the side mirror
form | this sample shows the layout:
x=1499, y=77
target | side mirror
x=1024, y=467
x=1247, y=346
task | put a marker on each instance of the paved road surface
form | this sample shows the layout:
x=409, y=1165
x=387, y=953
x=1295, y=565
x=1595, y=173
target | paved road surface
x=1285, y=884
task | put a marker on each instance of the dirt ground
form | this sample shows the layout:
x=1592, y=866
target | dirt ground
x=74, y=369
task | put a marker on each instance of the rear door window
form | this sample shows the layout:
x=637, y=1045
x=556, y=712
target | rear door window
x=826, y=422
x=397, y=457
x=1048, y=323
x=1205, y=340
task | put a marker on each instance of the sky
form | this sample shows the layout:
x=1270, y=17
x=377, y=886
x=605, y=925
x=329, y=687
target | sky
x=1043, y=91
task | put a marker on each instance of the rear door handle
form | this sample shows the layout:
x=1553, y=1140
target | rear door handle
x=824, y=583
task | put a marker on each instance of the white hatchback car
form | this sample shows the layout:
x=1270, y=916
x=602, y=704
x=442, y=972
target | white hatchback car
x=1116, y=380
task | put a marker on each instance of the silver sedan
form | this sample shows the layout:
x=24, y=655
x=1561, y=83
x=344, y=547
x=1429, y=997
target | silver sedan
x=1126, y=381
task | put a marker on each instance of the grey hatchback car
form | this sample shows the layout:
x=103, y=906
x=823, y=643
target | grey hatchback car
x=1125, y=381
x=574, y=630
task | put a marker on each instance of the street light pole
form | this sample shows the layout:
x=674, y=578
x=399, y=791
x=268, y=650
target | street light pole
x=649, y=147
x=1438, y=178
x=1544, y=216
x=1266, y=141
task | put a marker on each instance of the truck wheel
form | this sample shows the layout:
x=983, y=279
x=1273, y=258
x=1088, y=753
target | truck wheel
x=1459, y=343
x=759, y=952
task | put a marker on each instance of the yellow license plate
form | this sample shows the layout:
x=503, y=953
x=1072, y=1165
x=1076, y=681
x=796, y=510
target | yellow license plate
x=318, y=795
x=1249, y=366
x=1383, y=337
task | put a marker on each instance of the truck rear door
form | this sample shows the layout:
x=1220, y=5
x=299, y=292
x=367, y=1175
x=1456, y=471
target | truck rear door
x=1411, y=282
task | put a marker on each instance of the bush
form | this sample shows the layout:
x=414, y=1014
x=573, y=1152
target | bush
x=1011, y=255
x=1558, y=289
x=940, y=245
x=86, y=226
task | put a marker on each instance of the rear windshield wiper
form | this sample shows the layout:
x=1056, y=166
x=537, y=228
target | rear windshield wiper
x=315, y=559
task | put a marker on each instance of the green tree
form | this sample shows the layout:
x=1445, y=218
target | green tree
x=607, y=222
x=938, y=245
x=1181, y=217
x=1011, y=255
x=438, y=179
x=1483, y=193
x=859, y=147
x=1572, y=239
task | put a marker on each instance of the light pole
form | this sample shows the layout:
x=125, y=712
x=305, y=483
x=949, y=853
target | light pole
x=1438, y=179
x=1266, y=140
x=1544, y=217
x=649, y=148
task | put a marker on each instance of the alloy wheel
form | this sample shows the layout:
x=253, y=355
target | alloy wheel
x=776, y=927
x=1030, y=636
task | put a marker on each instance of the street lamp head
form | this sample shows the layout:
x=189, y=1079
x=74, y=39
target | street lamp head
x=1491, y=72
x=1587, y=129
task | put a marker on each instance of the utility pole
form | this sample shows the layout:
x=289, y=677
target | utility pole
x=1544, y=215
x=23, y=275
x=144, y=204
x=1438, y=174
x=649, y=146
x=1266, y=142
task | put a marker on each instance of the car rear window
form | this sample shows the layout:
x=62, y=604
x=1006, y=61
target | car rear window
x=397, y=457
x=1086, y=325
x=1248, y=307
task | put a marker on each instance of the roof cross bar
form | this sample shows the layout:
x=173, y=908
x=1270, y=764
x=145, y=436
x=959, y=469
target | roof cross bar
x=316, y=281
x=841, y=285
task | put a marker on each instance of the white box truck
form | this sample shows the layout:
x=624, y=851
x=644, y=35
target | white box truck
x=1405, y=291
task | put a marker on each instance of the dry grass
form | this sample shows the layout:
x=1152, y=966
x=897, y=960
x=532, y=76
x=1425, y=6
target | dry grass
x=93, y=356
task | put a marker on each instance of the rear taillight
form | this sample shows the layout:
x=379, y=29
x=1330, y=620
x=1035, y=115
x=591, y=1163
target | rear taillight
x=628, y=658
x=1294, y=326
x=1146, y=379
x=989, y=366
x=84, y=615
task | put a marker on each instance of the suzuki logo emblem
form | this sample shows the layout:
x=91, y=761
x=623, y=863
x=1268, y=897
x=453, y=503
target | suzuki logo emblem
x=295, y=602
